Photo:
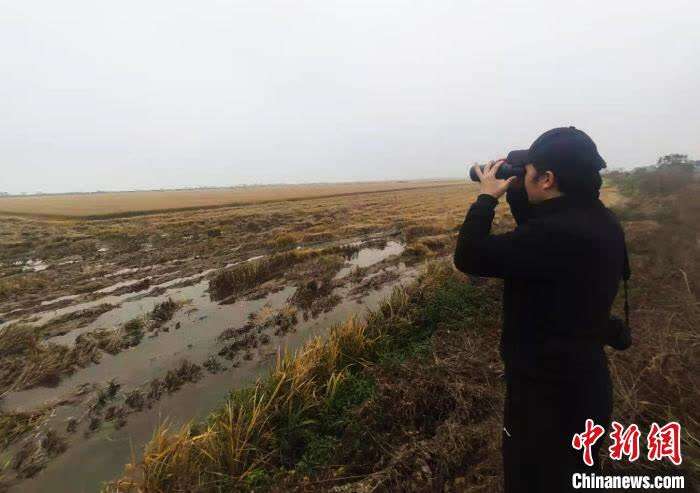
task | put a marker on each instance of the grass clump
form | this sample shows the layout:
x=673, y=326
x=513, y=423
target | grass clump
x=14, y=287
x=284, y=241
x=14, y=425
x=413, y=232
x=163, y=312
x=36, y=452
x=28, y=362
x=132, y=332
x=315, y=284
x=243, y=277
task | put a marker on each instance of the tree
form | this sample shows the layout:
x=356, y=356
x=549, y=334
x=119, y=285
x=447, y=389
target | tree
x=674, y=160
x=673, y=172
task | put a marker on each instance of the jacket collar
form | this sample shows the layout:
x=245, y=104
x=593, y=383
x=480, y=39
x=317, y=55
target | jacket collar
x=564, y=202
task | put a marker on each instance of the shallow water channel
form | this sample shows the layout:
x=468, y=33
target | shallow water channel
x=100, y=456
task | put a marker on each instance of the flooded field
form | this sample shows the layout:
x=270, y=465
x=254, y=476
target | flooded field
x=182, y=368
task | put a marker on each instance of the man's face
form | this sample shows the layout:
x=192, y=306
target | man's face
x=538, y=188
x=530, y=182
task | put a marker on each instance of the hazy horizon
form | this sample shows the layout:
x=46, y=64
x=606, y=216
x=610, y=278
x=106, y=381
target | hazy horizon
x=165, y=95
x=242, y=185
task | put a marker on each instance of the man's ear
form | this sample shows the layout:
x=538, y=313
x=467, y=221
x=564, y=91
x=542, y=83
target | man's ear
x=549, y=181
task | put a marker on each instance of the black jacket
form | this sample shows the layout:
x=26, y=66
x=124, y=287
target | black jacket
x=561, y=266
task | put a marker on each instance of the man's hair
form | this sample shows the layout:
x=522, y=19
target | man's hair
x=574, y=181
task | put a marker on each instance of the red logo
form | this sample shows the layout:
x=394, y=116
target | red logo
x=665, y=442
x=662, y=442
x=625, y=442
x=587, y=439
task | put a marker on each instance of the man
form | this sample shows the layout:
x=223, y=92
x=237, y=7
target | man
x=561, y=268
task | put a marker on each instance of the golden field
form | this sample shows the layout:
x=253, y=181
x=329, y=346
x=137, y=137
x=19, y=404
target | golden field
x=127, y=203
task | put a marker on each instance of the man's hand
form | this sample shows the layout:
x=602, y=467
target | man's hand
x=489, y=183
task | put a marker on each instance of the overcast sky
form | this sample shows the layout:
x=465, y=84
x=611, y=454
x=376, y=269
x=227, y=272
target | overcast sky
x=138, y=94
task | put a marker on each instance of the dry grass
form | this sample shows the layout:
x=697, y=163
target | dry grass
x=36, y=451
x=28, y=362
x=14, y=425
x=241, y=278
x=113, y=204
x=657, y=379
x=256, y=330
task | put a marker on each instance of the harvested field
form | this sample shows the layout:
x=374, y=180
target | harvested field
x=115, y=204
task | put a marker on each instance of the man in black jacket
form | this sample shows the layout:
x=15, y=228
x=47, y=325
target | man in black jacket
x=561, y=268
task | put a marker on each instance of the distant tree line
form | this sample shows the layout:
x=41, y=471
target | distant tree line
x=670, y=173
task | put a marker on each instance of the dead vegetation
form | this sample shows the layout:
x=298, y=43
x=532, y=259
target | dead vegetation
x=28, y=362
x=257, y=330
x=35, y=453
x=373, y=282
x=14, y=425
x=111, y=341
x=162, y=313
x=228, y=284
x=315, y=284
x=654, y=380
x=186, y=372
x=73, y=320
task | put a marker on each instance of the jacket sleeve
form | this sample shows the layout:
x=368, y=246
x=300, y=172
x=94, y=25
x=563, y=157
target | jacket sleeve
x=519, y=205
x=528, y=252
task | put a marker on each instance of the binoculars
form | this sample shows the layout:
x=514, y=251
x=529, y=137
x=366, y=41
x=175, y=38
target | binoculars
x=514, y=166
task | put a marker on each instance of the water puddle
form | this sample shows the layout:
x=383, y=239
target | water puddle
x=128, y=270
x=42, y=318
x=59, y=299
x=366, y=257
x=114, y=287
x=35, y=265
x=251, y=259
